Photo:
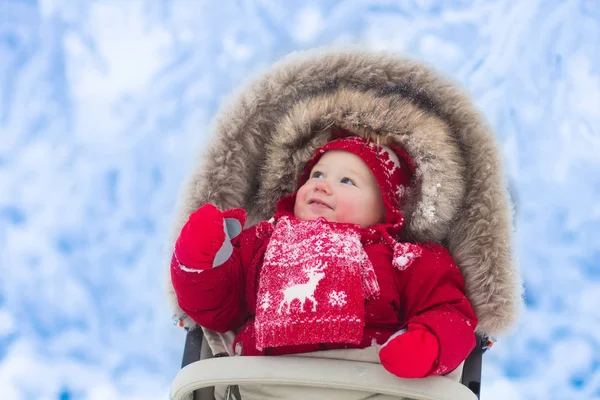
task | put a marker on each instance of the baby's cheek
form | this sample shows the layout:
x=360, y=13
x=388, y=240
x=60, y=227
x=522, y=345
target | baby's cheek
x=298, y=206
x=345, y=211
x=301, y=212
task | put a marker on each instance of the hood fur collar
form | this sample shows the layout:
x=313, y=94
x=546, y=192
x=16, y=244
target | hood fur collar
x=265, y=136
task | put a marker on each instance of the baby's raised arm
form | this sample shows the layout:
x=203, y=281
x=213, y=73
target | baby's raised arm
x=206, y=268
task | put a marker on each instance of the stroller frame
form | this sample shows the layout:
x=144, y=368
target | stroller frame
x=196, y=350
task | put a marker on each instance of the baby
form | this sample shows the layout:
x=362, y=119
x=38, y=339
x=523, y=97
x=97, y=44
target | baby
x=330, y=271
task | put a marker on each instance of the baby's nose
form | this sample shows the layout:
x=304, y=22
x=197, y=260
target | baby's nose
x=323, y=186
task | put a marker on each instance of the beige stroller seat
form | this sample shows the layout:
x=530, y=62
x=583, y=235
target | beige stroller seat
x=260, y=143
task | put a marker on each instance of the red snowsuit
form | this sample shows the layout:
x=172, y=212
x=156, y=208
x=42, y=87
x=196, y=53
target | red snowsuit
x=430, y=292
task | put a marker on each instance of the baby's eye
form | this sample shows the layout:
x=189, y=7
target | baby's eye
x=317, y=174
x=347, y=181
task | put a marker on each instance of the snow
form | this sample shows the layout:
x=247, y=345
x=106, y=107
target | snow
x=105, y=104
x=405, y=254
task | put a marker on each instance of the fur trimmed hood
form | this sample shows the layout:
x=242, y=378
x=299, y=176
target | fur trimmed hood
x=265, y=136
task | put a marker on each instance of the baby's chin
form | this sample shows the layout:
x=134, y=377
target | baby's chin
x=308, y=216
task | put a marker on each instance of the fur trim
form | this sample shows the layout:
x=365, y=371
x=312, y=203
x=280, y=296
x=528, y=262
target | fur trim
x=266, y=135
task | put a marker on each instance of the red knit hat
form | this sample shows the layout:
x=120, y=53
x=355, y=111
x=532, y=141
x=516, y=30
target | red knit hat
x=392, y=167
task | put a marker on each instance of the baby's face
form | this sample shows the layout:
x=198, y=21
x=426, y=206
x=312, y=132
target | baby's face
x=341, y=188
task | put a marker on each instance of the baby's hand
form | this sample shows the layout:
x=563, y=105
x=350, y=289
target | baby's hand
x=410, y=354
x=205, y=239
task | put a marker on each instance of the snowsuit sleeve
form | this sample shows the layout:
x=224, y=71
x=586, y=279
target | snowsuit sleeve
x=215, y=297
x=434, y=296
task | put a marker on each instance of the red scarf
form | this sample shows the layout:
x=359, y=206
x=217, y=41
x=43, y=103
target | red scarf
x=313, y=284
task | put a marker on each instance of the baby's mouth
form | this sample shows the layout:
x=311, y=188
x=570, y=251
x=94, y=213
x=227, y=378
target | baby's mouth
x=318, y=203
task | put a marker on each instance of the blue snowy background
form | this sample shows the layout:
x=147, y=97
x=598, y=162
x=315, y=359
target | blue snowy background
x=104, y=105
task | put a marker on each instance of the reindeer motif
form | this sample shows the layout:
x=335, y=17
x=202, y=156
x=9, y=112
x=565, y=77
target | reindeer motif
x=304, y=291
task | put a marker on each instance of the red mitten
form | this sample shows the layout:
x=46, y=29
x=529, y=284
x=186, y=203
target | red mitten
x=411, y=354
x=204, y=241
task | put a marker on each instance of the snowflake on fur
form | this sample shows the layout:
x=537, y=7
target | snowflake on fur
x=337, y=298
x=265, y=302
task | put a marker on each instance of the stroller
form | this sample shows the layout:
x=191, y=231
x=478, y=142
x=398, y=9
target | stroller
x=262, y=140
